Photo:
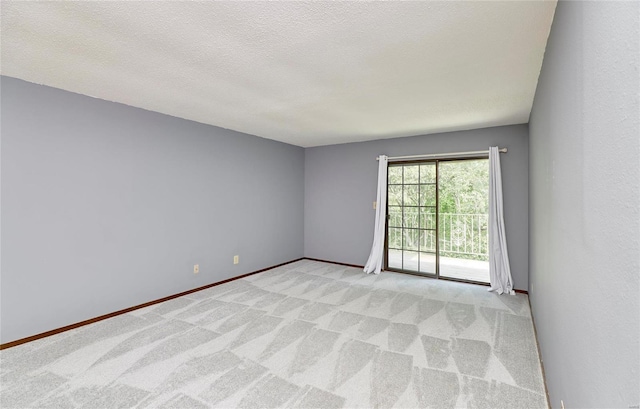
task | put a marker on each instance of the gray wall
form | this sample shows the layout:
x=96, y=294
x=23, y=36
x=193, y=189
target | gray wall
x=106, y=206
x=584, y=222
x=340, y=188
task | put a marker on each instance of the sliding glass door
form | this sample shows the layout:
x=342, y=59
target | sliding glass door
x=437, y=219
x=412, y=198
x=463, y=221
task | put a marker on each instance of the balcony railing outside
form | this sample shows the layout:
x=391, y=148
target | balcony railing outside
x=461, y=235
x=463, y=244
x=464, y=236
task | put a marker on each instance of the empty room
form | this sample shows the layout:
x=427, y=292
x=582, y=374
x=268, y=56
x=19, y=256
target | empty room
x=430, y=204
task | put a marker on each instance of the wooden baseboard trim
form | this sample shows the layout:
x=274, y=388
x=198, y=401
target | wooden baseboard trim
x=170, y=297
x=544, y=376
x=441, y=278
x=136, y=307
x=334, y=262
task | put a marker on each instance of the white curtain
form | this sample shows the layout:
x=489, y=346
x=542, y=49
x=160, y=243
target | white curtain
x=374, y=264
x=499, y=270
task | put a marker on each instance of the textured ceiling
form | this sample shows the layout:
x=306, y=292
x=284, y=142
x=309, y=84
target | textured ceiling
x=306, y=73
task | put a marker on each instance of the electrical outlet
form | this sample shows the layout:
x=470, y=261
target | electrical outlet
x=196, y=268
x=375, y=205
x=236, y=259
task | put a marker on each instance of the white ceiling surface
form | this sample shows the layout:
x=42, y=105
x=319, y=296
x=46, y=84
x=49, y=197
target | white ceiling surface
x=305, y=73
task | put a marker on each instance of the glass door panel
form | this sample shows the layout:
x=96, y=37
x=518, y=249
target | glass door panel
x=412, y=213
x=463, y=216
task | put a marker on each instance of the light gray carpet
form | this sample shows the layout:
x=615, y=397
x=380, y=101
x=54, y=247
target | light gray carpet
x=304, y=335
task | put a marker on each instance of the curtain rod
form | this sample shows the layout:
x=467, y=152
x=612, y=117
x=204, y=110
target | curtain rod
x=442, y=155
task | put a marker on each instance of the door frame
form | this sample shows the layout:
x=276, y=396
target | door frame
x=437, y=230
